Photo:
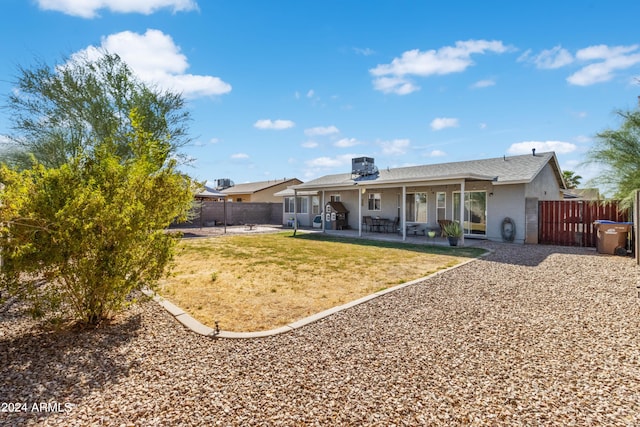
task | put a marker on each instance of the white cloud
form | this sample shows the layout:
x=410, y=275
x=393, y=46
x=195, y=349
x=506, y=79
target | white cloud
x=541, y=147
x=310, y=93
x=553, y=58
x=443, y=123
x=437, y=153
x=90, y=8
x=331, y=162
x=346, y=142
x=611, y=59
x=309, y=144
x=155, y=58
x=392, y=77
x=397, y=85
x=214, y=140
x=365, y=51
x=320, y=130
x=395, y=147
x=483, y=83
x=482, y=126
x=240, y=156
x=273, y=124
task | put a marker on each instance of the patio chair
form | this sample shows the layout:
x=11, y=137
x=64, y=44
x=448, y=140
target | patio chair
x=393, y=226
x=368, y=223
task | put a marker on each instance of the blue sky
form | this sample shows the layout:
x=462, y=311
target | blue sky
x=297, y=88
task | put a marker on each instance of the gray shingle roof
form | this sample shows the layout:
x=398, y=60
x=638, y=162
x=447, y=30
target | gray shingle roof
x=500, y=170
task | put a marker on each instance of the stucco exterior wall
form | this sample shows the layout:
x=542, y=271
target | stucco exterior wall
x=544, y=186
x=506, y=201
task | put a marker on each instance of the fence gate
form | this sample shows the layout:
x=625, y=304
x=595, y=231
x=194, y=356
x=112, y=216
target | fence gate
x=570, y=222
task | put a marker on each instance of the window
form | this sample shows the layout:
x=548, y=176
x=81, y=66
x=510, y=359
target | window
x=315, y=205
x=335, y=197
x=288, y=204
x=301, y=204
x=475, y=211
x=417, y=207
x=374, y=201
x=441, y=203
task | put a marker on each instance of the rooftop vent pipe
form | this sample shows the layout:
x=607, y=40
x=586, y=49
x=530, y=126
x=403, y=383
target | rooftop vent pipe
x=533, y=150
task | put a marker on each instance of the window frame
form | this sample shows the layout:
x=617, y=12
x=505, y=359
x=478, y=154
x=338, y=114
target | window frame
x=374, y=202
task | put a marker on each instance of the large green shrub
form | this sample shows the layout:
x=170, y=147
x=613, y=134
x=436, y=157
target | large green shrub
x=78, y=238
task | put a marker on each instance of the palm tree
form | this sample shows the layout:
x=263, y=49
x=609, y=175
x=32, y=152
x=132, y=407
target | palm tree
x=571, y=179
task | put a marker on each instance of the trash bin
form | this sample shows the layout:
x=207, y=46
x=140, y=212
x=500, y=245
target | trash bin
x=611, y=237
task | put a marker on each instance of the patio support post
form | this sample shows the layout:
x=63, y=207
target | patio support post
x=462, y=211
x=322, y=213
x=295, y=211
x=360, y=212
x=403, y=213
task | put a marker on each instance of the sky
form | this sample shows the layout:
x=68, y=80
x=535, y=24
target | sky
x=296, y=89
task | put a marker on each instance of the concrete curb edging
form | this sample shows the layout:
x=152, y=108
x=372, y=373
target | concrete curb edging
x=197, y=327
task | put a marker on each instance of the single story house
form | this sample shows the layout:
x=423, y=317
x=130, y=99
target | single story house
x=261, y=192
x=489, y=195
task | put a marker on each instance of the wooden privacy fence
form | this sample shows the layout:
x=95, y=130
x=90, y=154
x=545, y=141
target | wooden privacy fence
x=570, y=222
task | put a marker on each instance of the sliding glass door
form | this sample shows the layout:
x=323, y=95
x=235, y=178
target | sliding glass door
x=475, y=212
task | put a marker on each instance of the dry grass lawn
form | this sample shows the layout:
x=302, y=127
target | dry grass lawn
x=264, y=281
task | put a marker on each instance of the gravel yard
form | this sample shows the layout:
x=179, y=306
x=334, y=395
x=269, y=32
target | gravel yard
x=530, y=335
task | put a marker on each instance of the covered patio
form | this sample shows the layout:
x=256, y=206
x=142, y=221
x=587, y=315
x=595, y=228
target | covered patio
x=406, y=213
x=391, y=237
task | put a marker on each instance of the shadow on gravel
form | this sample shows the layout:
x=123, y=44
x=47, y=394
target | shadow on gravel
x=530, y=255
x=61, y=367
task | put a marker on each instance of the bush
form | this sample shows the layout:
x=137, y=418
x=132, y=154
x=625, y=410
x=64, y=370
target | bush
x=79, y=238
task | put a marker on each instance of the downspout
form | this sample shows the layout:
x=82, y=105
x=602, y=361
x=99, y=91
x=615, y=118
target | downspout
x=462, y=211
x=403, y=213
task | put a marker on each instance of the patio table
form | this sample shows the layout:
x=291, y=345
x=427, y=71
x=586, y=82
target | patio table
x=379, y=223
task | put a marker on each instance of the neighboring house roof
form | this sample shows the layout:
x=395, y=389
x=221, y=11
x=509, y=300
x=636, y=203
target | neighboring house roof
x=289, y=192
x=582, y=193
x=209, y=193
x=502, y=170
x=254, y=187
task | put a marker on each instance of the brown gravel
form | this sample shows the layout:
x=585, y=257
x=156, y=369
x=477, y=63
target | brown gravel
x=531, y=335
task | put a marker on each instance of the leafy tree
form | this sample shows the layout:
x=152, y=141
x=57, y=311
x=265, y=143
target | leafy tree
x=82, y=222
x=571, y=179
x=57, y=112
x=618, y=152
